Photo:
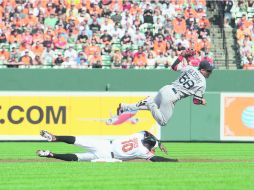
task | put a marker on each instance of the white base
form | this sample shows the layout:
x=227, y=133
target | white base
x=106, y=160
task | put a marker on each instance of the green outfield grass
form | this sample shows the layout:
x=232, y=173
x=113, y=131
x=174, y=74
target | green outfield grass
x=128, y=175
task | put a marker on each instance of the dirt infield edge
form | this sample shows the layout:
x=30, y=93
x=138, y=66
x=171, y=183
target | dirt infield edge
x=136, y=160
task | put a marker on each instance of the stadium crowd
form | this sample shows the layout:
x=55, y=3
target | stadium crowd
x=102, y=33
x=242, y=13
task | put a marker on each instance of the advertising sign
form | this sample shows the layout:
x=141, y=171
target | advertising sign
x=24, y=114
x=237, y=116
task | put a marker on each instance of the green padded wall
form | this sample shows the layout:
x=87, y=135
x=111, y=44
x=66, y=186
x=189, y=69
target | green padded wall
x=189, y=122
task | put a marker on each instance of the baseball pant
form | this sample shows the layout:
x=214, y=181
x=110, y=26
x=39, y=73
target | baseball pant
x=161, y=106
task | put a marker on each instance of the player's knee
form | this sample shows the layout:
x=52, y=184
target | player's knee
x=162, y=122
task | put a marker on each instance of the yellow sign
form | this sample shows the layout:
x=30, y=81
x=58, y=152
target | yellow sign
x=237, y=121
x=78, y=114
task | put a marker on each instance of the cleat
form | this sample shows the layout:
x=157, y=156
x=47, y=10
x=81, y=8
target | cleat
x=119, y=110
x=144, y=102
x=47, y=135
x=44, y=153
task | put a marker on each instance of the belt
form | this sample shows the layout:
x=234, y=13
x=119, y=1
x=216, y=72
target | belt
x=174, y=90
x=112, y=153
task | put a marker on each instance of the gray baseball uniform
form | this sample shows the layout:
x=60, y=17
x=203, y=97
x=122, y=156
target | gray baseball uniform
x=190, y=82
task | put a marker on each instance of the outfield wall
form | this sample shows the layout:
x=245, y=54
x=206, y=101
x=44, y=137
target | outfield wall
x=189, y=122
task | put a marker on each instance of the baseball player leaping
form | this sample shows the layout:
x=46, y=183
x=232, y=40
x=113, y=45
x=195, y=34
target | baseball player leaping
x=190, y=82
x=140, y=145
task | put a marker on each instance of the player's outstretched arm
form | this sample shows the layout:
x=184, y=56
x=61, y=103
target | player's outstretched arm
x=185, y=54
x=200, y=101
x=162, y=159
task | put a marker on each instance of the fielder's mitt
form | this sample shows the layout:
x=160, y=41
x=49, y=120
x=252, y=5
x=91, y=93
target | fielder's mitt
x=188, y=53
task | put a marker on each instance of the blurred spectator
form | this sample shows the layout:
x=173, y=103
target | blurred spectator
x=161, y=61
x=26, y=59
x=179, y=48
x=14, y=54
x=126, y=5
x=59, y=59
x=48, y=56
x=68, y=63
x=92, y=48
x=107, y=25
x=179, y=24
x=127, y=54
x=4, y=54
x=72, y=37
x=138, y=38
x=82, y=37
x=37, y=60
x=244, y=22
x=106, y=38
x=228, y=4
x=241, y=32
x=149, y=33
x=3, y=38
x=37, y=48
x=14, y=37
x=81, y=60
x=106, y=50
x=203, y=32
x=204, y=21
x=95, y=60
x=184, y=41
x=117, y=59
x=150, y=61
x=116, y=16
x=51, y=21
x=140, y=59
x=135, y=9
x=126, y=39
x=160, y=45
x=243, y=5
x=48, y=38
x=148, y=14
x=71, y=53
x=94, y=26
x=249, y=65
x=171, y=56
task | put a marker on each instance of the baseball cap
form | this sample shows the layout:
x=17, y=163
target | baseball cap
x=205, y=65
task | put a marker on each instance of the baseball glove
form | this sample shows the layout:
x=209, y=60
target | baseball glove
x=188, y=53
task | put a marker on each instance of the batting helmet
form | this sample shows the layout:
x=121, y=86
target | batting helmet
x=150, y=142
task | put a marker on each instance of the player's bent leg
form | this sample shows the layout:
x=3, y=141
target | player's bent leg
x=141, y=105
x=162, y=107
x=66, y=139
x=53, y=138
x=65, y=157
x=157, y=115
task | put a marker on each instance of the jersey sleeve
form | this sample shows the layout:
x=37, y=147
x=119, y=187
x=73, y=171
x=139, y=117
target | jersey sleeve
x=146, y=155
x=183, y=68
x=199, y=93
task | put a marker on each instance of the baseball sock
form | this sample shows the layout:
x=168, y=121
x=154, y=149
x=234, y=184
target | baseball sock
x=66, y=139
x=141, y=105
x=66, y=157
